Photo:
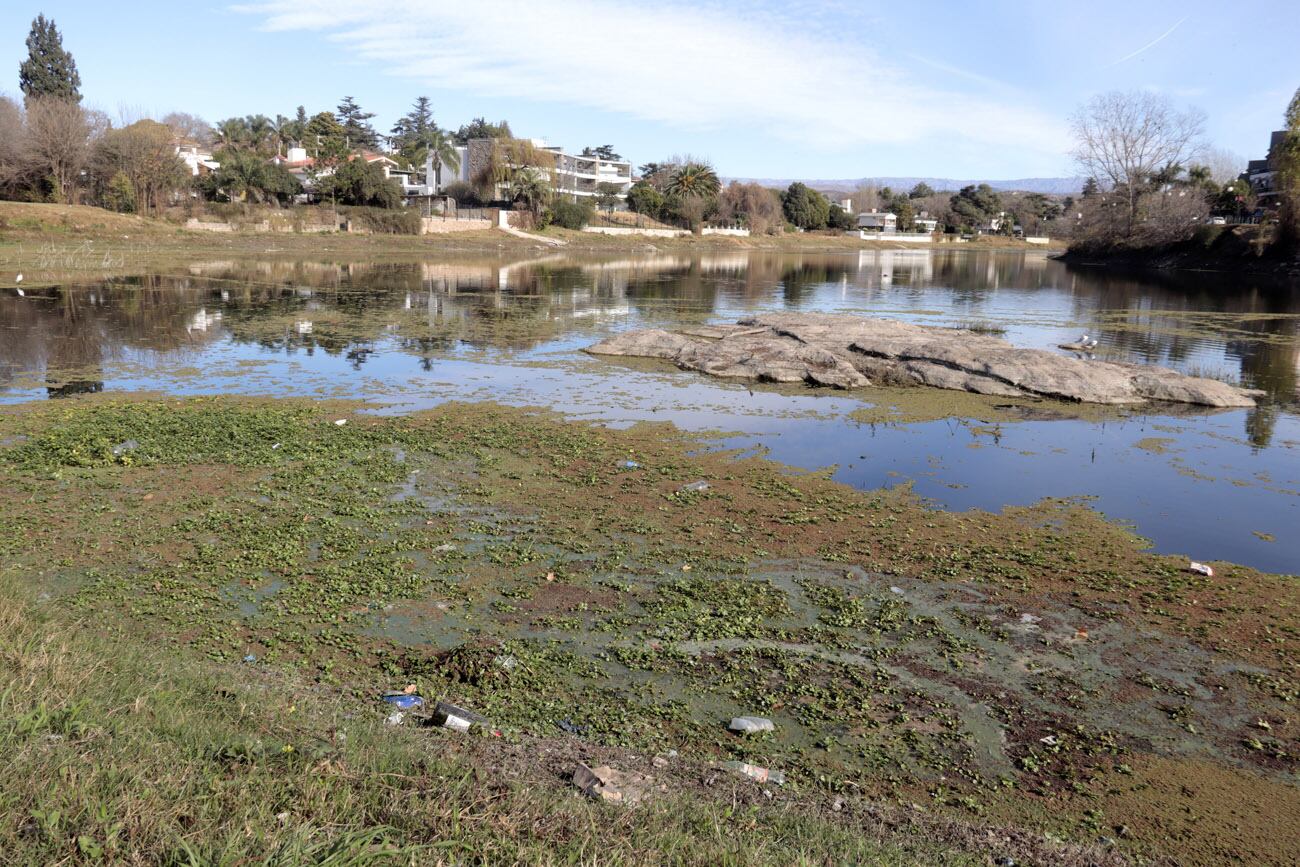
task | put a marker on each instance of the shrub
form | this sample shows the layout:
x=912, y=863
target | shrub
x=384, y=221
x=570, y=215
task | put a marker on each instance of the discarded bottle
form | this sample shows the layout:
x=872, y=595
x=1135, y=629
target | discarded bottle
x=748, y=725
x=1200, y=569
x=754, y=772
x=694, y=487
x=630, y=465
x=124, y=447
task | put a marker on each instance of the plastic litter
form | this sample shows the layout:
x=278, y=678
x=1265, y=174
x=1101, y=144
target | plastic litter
x=274, y=447
x=124, y=447
x=630, y=465
x=748, y=725
x=573, y=728
x=448, y=716
x=1200, y=569
x=694, y=487
x=403, y=701
x=395, y=718
x=754, y=772
x=896, y=590
x=250, y=658
x=1050, y=740
x=341, y=422
x=505, y=661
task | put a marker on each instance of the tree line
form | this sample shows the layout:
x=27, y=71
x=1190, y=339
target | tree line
x=1152, y=180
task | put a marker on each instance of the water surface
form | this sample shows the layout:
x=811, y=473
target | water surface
x=1213, y=485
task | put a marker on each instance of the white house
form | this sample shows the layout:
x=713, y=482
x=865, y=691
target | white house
x=878, y=221
x=196, y=157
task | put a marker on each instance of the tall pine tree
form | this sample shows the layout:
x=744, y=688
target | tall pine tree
x=49, y=69
x=356, y=124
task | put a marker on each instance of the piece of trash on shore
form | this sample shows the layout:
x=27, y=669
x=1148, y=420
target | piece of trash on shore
x=694, y=487
x=449, y=716
x=250, y=658
x=341, y=422
x=505, y=661
x=403, y=700
x=896, y=590
x=573, y=728
x=274, y=447
x=1050, y=740
x=748, y=725
x=444, y=547
x=630, y=465
x=1200, y=569
x=607, y=784
x=125, y=447
x=395, y=718
x=754, y=772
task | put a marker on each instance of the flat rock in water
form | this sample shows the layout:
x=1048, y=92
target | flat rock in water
x=845, y=351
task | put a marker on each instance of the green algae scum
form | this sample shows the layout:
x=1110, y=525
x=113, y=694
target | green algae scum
x=206, y=597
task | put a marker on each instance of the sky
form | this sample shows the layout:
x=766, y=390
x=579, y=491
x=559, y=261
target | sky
x=945, y=88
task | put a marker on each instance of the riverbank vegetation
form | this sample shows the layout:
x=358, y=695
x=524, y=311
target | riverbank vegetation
x=211, y=595
x=1151, y=195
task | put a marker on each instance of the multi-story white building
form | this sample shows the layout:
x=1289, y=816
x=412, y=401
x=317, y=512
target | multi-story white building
x=574, y=175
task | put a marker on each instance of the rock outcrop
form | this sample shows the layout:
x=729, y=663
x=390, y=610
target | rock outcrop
x=843, y=351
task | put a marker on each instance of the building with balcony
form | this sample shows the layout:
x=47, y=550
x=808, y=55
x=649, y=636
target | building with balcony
x=1262, y=174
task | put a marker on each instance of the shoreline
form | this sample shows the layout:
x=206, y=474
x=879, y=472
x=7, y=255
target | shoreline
x=52, y=243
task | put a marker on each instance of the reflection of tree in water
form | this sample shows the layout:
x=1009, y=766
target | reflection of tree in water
x=1168, y=309
x=69, y=333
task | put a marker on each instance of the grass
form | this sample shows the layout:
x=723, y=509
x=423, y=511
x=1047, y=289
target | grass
x=116, y=752
x=884, y=637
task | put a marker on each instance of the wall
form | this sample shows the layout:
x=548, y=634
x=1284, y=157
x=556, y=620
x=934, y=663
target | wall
x=653, y=233
x=439, y=226
x=1037, y=239
x=900, y=237
x=735, y=233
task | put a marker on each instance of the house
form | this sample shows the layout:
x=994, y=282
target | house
x=574, y=175
x=582, y=176
x=925, y=224
x=1262, y=174
x=876, y=221
x=196, y=157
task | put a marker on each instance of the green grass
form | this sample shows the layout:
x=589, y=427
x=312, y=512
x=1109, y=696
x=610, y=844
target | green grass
x=117, y=753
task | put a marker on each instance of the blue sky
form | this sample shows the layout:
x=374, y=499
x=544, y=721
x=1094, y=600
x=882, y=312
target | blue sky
x=808, y=89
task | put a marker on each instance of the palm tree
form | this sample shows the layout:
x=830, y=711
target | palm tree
x=231, y=132
x=260, y=131
x=531, y=187
x=693, y=181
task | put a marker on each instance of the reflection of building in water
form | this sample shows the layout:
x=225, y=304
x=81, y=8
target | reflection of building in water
x=910, y=266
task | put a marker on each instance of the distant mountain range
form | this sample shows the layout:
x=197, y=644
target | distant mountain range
x=1051, y=186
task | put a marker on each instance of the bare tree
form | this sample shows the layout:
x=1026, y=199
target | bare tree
x=753, y=204
x=865, y=198
x=12, y=139
x=143, y=153
x=57, y=145
x=1225, y=166
x=189, y=127
x=1128, y=138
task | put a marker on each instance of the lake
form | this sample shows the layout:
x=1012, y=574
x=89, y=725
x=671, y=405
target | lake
x=1212, y=485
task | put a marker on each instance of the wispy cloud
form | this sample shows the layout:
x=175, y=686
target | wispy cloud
x=1152, y=44
x=704, y=66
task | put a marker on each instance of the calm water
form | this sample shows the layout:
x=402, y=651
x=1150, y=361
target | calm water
x=1220, y=486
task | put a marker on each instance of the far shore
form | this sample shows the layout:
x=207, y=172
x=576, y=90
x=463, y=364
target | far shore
x=51, y=243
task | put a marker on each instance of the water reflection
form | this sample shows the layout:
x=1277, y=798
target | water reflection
x=512, y=330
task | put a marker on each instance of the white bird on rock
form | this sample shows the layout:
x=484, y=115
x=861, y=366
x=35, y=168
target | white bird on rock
x=18, y=280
